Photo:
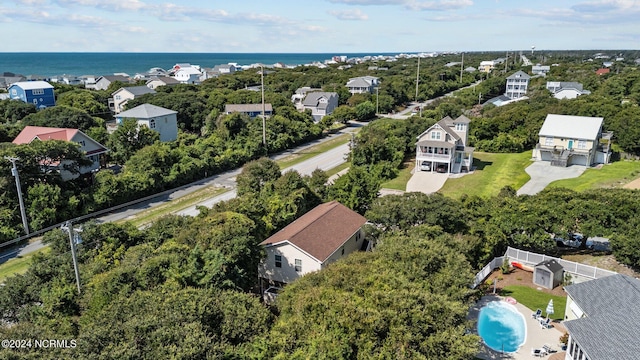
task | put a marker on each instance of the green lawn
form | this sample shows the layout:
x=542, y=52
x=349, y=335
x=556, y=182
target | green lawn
x=493, y=172
x=18, y=265
x=612, y=175
x=535, y=299
x=400, y=181
x=312, y=151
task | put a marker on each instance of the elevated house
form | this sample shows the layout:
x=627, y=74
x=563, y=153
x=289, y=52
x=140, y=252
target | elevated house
x=156, y=118
x=325, y=234
x=187, y=73
x=300, y=94
x=320, y=103
x=38, y=93
x=362, y=84
x=103, y=82
x=91, y=148
x=154, y=82
x=443, y=146
x=602, y=318
x=487, y=66
x=566, y=90
x=252, y=110
x=124, y=94
x=517, y=85
x=573, y=140
x=541, y=70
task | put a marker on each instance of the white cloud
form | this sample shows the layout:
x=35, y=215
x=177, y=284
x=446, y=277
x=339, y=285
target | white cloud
x=435, y=5
x=349, y=14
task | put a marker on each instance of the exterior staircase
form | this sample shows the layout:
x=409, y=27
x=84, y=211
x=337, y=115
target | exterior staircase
x=561, y=158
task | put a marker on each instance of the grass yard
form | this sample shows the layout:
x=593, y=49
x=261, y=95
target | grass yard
x=312, y=151
x=534, y=299
x=400, y=181
x=493, y=172
x=18, y=265
x=615, y=174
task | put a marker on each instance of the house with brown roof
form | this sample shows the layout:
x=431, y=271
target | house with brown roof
x=91, y=148
x=326, y=233
x=603, y=71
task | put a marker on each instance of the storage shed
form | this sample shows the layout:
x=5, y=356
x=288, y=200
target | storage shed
x=548, y=274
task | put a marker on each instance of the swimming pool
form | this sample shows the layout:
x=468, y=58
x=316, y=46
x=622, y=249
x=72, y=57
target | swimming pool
x=502, y=326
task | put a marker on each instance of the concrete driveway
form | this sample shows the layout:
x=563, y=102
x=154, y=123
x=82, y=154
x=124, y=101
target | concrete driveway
x=542, y=174
x=426, y=182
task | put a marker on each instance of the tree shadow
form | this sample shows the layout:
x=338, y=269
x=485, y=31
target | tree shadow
x=480, y=165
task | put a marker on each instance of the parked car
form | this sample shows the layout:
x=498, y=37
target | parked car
x=442, y=168
x=425, y=166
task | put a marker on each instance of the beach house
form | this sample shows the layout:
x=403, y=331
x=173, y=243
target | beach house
x=156, y=118
x=362, y=84
x=91, y=148
x=124, y=94
x=38, y=93
x=320, y=103
x=443, y=146
x=325, y=234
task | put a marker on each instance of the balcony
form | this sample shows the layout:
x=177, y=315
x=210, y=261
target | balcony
x=431, y=156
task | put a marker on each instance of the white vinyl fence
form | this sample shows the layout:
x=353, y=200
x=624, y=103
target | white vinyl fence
x=579, y=272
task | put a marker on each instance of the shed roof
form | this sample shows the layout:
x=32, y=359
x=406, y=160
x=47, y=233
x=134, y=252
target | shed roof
x=571, y=127
x=552, y=265
x=321, y=231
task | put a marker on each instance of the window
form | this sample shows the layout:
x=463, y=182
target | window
x=117, y=97
x=548, y=141
x=342, y=251
x=37, y=91
x=152, y=123
x=81, y=142
x=435, y=135
x=582, y=144
x=459, y=127
x=298, y=266
x=279, y=261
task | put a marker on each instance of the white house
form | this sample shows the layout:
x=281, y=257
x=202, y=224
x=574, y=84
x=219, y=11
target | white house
x=299, y=96
x=566, y=90
x=187, y=73
x=362, y=84
x=124, y=94
x=573, y=140
x=320, y=103
x=602, y=318
x=443, y=146
x=540, y=69
x=327, y=233
x=91, y=148
x=156, y=118
x=517, y=85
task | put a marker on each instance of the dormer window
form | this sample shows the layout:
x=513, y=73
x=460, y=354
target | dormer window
x=435, y=135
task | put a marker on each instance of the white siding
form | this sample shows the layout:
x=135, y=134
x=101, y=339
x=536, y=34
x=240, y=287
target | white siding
x=286, y=274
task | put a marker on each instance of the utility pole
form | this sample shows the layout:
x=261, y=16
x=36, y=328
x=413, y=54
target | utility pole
x=68, y=226
x=417, y=77
x=479, y=97
x=377, y=99
x=461, y=67
x=264, y=121
x=14, y=172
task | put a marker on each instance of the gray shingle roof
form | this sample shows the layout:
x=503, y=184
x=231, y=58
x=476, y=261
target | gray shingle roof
x=146, y=111
x=612, y=323
x=229, y=108
x=519, y=75
x=312, y=98
x=571, y=127
x=552, y=265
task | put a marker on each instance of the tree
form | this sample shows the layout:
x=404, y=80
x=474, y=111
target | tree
x=61, y=116
x=128, y=138
x=256, y=174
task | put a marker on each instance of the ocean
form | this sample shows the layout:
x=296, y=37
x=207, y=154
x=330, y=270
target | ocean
x=79, y=64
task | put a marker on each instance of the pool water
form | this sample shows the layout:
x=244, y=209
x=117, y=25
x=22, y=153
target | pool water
x=501, y=326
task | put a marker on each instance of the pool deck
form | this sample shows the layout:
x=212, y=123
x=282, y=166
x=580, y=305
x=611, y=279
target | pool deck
x=536, y=335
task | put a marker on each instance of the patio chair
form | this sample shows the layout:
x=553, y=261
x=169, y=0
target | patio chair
x=539, y=352
x=546, y=324
x=548, y=349
x=536, y=315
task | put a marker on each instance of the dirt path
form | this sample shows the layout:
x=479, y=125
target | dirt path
x=635, y=184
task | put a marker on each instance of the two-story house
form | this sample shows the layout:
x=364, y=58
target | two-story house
x=187, y=73
x=156, y=81
x=320, y=103
x=573, y=140
x=253, y=110
x=517, y=85
x=443, y=146
x=487, y=66
x=124, y=94
x=566, y=90
x=156, y=118
x=602, y=318
x=91, y=148
x=362, y=84
x=38, y=93
x=103, y=82
x=325, y=234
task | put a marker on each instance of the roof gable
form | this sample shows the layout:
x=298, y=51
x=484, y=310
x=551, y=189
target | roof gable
x=30, y=133
x=321, y=231
x=146, y=111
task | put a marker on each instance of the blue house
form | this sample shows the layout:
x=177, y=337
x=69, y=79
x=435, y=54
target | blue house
x=38, y=93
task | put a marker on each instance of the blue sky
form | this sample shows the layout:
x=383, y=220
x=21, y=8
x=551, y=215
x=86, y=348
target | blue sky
x=317, y=26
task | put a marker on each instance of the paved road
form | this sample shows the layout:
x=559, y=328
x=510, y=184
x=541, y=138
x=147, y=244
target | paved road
x=543, y=174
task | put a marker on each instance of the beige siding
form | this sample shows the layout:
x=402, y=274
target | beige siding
x=286, y=273
x=353, y=244
x=564, y=143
